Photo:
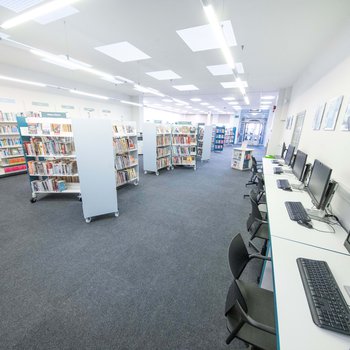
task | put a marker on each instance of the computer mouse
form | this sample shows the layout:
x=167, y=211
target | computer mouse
x=305, y=223
x=288, y=189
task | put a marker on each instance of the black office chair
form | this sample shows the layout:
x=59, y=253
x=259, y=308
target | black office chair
x=257, y=225
x=255, y=169
x=249, y=309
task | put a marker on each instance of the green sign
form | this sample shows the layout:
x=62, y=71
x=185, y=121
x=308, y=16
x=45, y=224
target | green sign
x=53, y=115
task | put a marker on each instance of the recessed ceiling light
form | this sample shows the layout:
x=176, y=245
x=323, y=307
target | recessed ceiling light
x=239, y=68
x=89, y=94
x=164, y=75
x=123, y=52
x=19, y=5
x=55, y=16
x=268, y=97
x=220, y=69
x=188, y=107
x=265, y=107
x=36, y=12
x=265, y=102
x=204, y=104
x=233, y=103
x=234, y=84
x=112, y=80
x=27, y=82
x=228, y=98
x=167, y=100
x=211, y=107
x=196, y=99
x=203, y=37
x=185, y=87
x=180, y=101
x=144, y=89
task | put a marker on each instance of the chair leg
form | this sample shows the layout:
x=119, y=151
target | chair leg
x=234, y=332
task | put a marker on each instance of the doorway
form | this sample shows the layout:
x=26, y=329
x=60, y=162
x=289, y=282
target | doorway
x=253, y=132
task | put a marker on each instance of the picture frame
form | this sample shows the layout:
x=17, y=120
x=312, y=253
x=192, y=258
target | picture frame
x=345, y=126
x=332, y=112
x=318, y=117
x=289, y=122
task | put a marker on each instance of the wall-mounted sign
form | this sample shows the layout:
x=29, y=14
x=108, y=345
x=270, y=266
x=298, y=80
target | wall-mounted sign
x=183, y=123
x=106, y=111
x=67, y=107
x=53, y=115
x=89, y=109
x=7, y=100
x=41, y=104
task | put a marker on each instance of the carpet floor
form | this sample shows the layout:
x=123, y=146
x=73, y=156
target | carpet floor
x=154, y=278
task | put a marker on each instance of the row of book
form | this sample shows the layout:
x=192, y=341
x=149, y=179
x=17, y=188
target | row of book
x=123, y=145
x=124, y=129
x=10, y=141
x=53, y=168
x=7, y=117
x=126, y=175
x=163, y=151
x=8, y=129
x=8, y=152
x=15, y=168
x=48, y=128
x=219, y=142
x=163, y=163
x=183, y=151
x=163, y=140
x=184, y=140
x=179, y=160
x=48, y=146
x=184, y=129
x=13, y=161
x=162, y=129
x=49, y=185
x=220, y=130
x=220, y=136
x=125, y=161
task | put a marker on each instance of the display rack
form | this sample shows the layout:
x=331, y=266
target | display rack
x=213, y=137
x=184, y=146
x=204, y=142
x=229, y=136
x=156, y=147
x=126, y=154
x=241, y=158
x=50, y=155
x=12, y=159
x=219, y=138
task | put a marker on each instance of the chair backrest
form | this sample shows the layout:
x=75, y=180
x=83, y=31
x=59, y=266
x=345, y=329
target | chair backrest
x=261, y=184
x=254, y=168
x=238, y=256
x=255, y=206
x=234, y=295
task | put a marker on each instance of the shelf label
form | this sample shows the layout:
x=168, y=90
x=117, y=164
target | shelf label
x=53, y=115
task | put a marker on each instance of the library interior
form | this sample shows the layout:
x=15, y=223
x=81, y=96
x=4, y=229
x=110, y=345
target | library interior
x=174, y=174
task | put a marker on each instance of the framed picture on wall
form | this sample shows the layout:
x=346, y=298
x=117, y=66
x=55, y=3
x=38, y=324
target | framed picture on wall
x=332, y=112
x=318, y=117
x=289, y=122
x=345, y=126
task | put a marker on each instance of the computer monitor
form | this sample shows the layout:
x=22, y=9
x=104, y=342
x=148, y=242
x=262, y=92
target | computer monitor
x=289, y=155
x=318, y=183
x=284, y=148
x=299, y=164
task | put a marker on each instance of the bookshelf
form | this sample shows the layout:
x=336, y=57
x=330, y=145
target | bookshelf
x=219, y=138
x=229, y=136
x=50, y=157
x=241, y=158
x=156, y=147
x=12, y=159
x=204, y=142
x=126, y=153
x=213, y=137
x=184, y=146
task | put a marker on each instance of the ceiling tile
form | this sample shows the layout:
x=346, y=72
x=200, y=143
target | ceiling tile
x=185, y=87
x=234, y=84
x=56, y=15
x=164, y=75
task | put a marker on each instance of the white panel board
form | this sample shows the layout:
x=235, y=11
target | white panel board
x=206, y=151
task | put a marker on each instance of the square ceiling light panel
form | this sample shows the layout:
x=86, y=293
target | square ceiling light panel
x=220, y=69
x=202, y=38
x=228, y=98
x=185, y=87
x=19, y=5
x=56, y=15
x=123, y=52
x=164, y=75
x=234, y=84
x=239, y=68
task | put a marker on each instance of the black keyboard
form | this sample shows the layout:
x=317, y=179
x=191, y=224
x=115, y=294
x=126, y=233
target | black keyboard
x=277, y=170
x=328, y=307
x=283, y=184
x=296, y=211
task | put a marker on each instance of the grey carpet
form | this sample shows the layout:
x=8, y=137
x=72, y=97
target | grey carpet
x=154, y=278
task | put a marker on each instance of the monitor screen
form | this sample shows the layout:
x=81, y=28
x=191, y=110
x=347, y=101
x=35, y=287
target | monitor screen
x=289, y=155
x=284, y=148
x=318, y=182
x=299, y=164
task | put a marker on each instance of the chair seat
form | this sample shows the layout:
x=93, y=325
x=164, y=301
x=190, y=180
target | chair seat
x=263, y=232
x=260, y=303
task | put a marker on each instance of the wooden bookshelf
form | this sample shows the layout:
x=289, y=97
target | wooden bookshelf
x=125, y=153
x=12, y=159
x=50, y=157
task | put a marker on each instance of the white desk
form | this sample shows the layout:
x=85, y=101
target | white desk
x=280, y=224
x=296, y=329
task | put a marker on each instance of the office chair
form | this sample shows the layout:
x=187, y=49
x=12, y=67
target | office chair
x=255, y=169
x=257, y=226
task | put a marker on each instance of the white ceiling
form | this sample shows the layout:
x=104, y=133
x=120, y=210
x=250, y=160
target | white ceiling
x=276, y=41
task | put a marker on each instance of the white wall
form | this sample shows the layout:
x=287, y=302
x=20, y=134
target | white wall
x=21, y=100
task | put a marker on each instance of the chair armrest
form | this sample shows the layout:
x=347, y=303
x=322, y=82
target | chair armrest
x=259, y=256
x=261, y=221
x=253, y=322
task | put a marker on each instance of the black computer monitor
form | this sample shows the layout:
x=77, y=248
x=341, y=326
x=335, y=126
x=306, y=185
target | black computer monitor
x=284, y=148
x=299, y=164
x=289, y=155
x=318, y=183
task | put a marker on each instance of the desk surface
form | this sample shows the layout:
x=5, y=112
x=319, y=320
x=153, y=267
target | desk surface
x=296, y=329
x=280, y=224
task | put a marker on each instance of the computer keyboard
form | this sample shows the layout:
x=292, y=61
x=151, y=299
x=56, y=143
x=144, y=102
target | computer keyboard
x=328, y=307
x=296, y=211
x=283, y=184
x=277, y=170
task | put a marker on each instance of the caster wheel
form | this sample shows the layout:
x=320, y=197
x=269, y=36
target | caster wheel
x=168, y=168
x=136, y=183
x=88, y=220
x=32, y=200
x=145, y=172
x=116, y=214
x=157, y=173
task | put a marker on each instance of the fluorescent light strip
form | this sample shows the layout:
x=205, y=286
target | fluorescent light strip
x=88, y=94
x=36, y=12
x=144, y=89
x=246, y=100
x=131, y=103
x=268, y=97
x=180, y=101
x=27, y=82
